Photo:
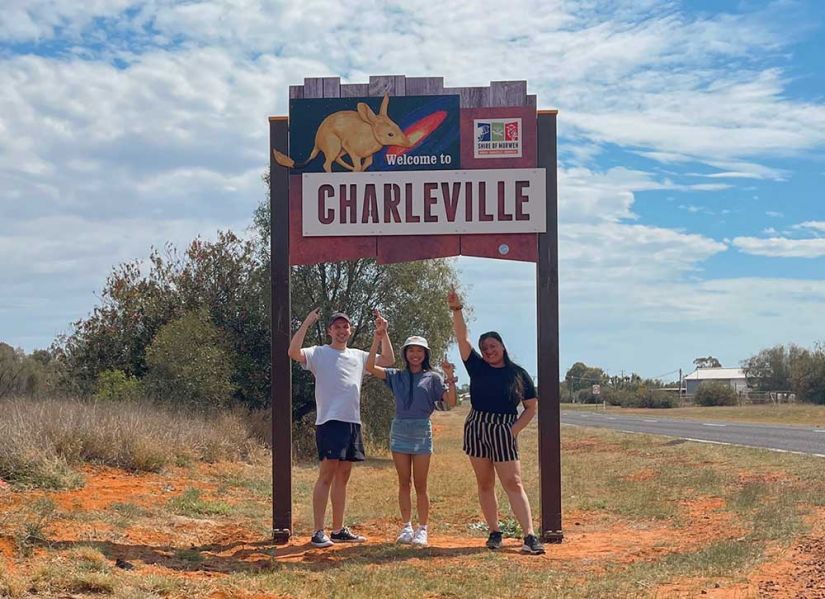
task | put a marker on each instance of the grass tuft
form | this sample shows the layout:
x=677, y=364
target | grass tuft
x=44, y=439
x=189, y=503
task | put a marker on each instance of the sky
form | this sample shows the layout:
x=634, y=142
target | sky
x=691, y=153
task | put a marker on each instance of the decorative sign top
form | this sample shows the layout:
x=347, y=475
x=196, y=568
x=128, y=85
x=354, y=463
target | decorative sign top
x=372, y=164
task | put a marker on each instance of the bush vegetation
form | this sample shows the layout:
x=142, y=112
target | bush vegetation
x=631, y=391
x=716, y=394
x=792, y=368
x=45, y=440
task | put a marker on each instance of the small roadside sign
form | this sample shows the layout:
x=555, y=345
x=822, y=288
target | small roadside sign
x=596, y=390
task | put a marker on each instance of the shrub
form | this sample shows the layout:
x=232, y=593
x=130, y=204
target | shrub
x=650, y=398
x=716, y=394
x=377, y=412
x=116, y=385
x=187, y=365
x=617, y=397
x=586, y=396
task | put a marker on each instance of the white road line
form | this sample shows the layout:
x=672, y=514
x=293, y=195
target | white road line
x=648, y=420
x=816, y=455
x=818, y=430
x=713, y=424
x=610, y=417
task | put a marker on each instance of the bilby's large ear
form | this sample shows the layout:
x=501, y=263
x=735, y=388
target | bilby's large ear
x=384, y=103
x=366, y=113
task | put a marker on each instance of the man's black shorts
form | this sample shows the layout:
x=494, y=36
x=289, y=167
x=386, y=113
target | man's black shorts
x=338, y=440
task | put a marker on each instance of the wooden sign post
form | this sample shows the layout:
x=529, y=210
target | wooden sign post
x=404, y=169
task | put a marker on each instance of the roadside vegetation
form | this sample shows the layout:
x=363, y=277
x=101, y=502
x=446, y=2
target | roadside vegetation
x=780, y=372
x=45, y=442
x=796, y=413
x=641, y=513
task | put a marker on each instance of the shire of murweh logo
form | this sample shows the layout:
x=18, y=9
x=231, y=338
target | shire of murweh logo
x=358, y=133
x=497, y=138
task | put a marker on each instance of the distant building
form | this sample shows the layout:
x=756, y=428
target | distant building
x=733, y=377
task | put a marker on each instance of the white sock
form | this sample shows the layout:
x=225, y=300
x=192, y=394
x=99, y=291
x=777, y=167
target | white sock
x=407, y=525
x=422, y=526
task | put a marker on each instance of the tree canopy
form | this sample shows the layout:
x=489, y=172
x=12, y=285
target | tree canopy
x=226, y=284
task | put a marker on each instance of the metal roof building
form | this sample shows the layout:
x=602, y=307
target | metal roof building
x=734, y=377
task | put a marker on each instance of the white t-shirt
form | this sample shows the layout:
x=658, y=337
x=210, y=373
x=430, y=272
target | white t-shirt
x=338, y=375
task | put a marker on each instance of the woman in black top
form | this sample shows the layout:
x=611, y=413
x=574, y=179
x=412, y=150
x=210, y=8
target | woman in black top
x=497, y=387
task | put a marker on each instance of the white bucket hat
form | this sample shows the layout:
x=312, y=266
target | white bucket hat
x=415, y=340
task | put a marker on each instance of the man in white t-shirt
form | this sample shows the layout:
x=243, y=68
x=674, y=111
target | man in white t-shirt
x=338, y=371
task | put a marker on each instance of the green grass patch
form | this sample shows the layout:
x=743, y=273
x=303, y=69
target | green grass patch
x=190, y=503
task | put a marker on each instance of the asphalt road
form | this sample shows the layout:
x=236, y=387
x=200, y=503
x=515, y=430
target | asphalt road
x=794, y=439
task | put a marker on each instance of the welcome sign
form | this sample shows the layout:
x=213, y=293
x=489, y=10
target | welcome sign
x=399, y=169
x=424, y=203
x=411, y=165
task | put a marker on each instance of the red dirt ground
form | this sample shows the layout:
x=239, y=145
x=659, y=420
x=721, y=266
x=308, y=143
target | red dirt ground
x=590, y=540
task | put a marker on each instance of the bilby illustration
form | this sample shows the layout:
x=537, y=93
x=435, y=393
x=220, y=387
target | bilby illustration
x=359, y=133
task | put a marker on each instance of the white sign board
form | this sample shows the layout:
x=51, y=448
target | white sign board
x=424, y=202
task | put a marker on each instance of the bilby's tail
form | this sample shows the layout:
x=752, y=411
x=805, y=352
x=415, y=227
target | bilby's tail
x=288, y=162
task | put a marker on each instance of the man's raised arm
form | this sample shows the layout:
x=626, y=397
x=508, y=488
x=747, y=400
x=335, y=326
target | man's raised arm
x=298, y=338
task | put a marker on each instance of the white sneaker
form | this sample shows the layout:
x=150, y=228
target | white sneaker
x=406, y=535
x=420, y=537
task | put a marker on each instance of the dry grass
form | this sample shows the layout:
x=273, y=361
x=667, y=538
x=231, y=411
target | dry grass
x=639, y=512
x=798, y=413
x=45, y=440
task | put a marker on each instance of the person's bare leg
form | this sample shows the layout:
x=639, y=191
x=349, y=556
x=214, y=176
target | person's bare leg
x=339, y=493
x=486, y=481
x=509, y=473
x=320, y=494
x=403, y=467
x=421, y=468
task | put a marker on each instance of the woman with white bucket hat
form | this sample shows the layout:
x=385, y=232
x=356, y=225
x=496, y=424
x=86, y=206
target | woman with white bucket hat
x=418, y=392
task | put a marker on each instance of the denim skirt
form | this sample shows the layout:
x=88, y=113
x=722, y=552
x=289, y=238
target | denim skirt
x=411, y=435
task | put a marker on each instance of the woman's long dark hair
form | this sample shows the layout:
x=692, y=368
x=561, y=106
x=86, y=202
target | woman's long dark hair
x=425, y=366
x=517, y=385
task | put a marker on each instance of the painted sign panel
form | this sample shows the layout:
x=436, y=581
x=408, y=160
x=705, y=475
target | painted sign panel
x=497, y=138
x=396, y=133
x=424, y=203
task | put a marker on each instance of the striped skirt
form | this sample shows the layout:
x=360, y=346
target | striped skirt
x=411, y=436
x=489, y=435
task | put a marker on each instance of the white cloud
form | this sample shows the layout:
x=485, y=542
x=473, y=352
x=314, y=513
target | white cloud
x=781, y=247
x=816, y=225
x=148, y=124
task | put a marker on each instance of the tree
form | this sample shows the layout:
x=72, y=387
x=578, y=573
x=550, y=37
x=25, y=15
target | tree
x=411, y=295
x=224, y=277
x=581, y=376
x=770, y=369
x=709, y=362
x=808, y=374
x=187, y=364
x=793, y=368
x=229, y=279
x=29, y=375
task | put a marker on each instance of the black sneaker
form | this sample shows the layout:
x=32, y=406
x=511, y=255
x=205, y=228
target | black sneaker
x=345, y=536
x=320, y=539
x=532, y=545
x=494, y=540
